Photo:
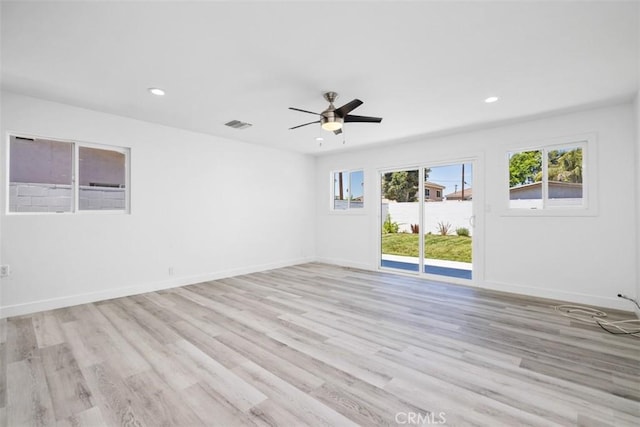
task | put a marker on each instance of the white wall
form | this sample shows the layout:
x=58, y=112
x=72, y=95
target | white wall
x=586, y=259
x=236, y=208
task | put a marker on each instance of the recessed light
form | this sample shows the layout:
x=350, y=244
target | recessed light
x=319, y=138
x=491, y=99
x=156, y=91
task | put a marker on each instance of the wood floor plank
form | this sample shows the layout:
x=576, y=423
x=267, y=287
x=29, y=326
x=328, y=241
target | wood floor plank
x=156, y=355
x=91, y=417
x=273, y=414
x=47, y=329
x=210, y=345
x=63, y=315
x=3, y=331
x=300, y=378
x=85, y=354
x=21, y=339
x=142, y=319
x=357, y=407
x=68, y=389
x=467, y=379
x=158, y=404
x=338, y=359
x=239, y=393
x=28, y=399
x=105, y=343
x=3, y=376
x=113, y=397
x=315, y=344
x=312, y=411
x=215, y=409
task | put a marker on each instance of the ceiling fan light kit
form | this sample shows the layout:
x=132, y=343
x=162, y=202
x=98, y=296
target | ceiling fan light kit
x=331, y=122
x=332, y=119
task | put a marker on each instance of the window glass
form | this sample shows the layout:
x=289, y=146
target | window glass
x=356, y=185
x=341, y=191
x=102, y=175
x=348, y=190
x=40, y=175
x=47, y=175
x=564, y=176
x=525, y=179
x=547, y=177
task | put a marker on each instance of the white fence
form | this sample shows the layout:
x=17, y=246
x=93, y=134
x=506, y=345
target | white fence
x=454, y=212
x=30, y=197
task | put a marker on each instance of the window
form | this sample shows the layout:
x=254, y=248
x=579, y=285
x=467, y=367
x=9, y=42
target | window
x=547, y=177
x=102, y=176
x=348, y=190
x=58, y=176
x=427, y=193
x=438, y=194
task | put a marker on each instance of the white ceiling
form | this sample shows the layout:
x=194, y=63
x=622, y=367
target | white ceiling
x=425, y=67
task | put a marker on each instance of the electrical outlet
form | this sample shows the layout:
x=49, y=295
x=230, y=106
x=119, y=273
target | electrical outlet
x=170, y=271
x=4, y=270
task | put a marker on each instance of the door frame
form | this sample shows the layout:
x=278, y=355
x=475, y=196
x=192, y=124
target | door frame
x=477, y=248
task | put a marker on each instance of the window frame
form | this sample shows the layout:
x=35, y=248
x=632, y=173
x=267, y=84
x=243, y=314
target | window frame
x=588, y=207
x=348, y=210
x=75, y=170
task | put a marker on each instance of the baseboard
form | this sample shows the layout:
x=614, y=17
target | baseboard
x=612, y=302
x=577, y=298
x=68, y=301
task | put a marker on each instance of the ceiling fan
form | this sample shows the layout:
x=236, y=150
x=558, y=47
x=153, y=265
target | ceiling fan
x=333, y=118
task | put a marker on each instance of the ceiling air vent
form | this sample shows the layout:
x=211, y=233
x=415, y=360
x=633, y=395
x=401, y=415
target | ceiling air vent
x=237, y=124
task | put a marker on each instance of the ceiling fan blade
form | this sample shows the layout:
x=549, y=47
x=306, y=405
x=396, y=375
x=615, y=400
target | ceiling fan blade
x=348, y=107
x=337, y=131
x=299, y=126
x=304, y=111
x=362, y=119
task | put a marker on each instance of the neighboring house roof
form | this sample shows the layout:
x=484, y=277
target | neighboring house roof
x=468, y=193
x=551, y=184
x=433, y=185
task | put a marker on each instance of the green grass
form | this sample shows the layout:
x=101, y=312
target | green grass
x=451, y=248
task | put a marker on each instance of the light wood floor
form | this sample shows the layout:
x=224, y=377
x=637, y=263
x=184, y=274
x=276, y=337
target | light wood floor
x=315, y=345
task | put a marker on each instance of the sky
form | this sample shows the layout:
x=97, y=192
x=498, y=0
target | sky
x=450, y=176
x=357, y=186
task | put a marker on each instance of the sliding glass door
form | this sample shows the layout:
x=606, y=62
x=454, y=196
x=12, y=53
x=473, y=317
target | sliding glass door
x=427, y=220
x=400, y=216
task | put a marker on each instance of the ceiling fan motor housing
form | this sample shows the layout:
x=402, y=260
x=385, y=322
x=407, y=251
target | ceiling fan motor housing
x=332, y=118
x=329, y=116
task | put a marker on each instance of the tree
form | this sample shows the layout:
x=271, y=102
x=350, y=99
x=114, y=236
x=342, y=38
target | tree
x=402, y=186
x=525, y=167
x=566, y=166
